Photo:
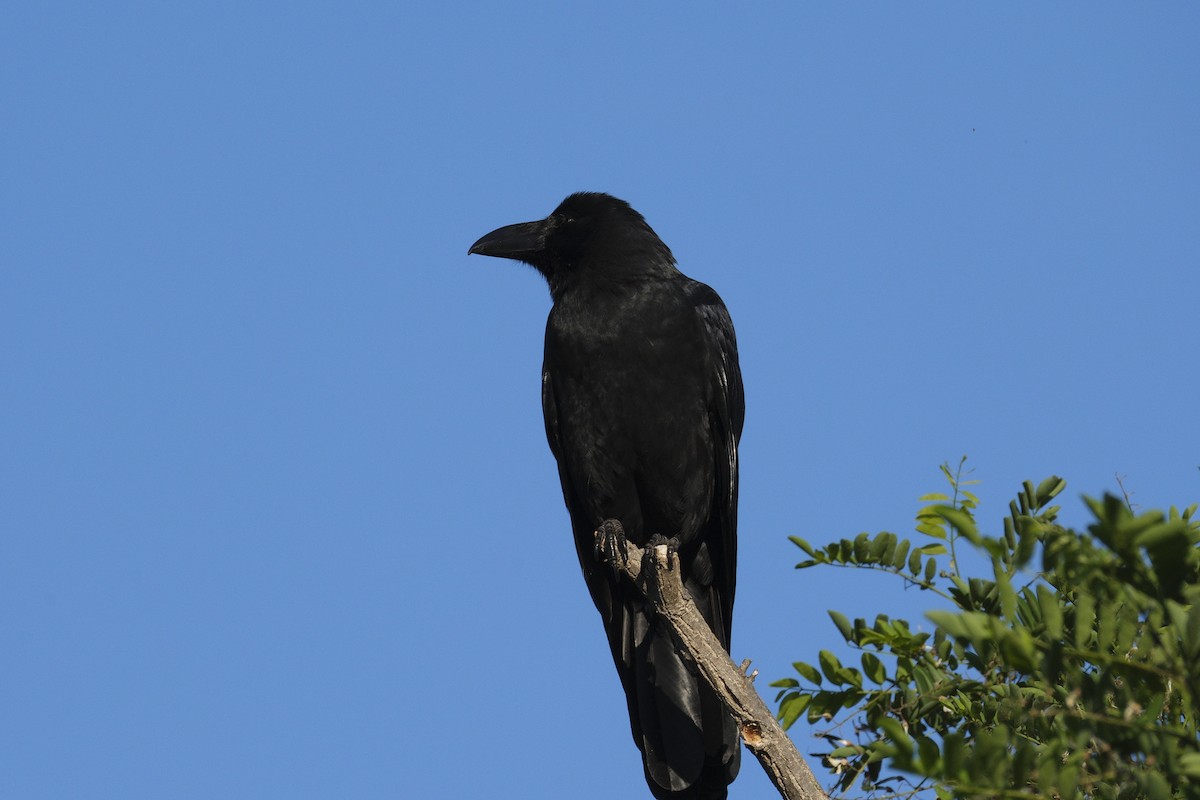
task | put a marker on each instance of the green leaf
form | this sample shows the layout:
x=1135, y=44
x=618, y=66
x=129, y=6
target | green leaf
x=1155, y=535
x=845, y=751
x=874, y=668
x=953, y=754
x=952, y=623
x=830, y=666
x=803, y=545
x=928, y=755
x=1189, y=764
x=1048, y=489
x=1128, y=625
x=808, y=672
x=862, y=548
x=1085, y=619
x=845, y=551
x=1017, y=647
x=895, y=734
x=961, y=520
x=1047, y=770
x=1029, y=533
x=1052, y=613
x=1168, y=546
x=879, y=547
x=843, y=625
x=1191, y=636
x=792, y=708
x=1004, y=588
x=1106, y=630
x=1154, y=785
x=925, y=679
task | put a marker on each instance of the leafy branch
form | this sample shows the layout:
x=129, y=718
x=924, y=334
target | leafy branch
x=1078, y=679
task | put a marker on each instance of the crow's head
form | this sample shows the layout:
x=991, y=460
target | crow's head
x=590, y=237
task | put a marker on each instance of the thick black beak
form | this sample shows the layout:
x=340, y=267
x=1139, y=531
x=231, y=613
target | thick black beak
x=522, y=241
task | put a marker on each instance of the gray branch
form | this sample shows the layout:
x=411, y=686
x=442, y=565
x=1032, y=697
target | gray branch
x=760, y=730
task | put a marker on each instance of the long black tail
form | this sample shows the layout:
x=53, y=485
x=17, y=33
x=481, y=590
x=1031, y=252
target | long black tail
x=689, y=742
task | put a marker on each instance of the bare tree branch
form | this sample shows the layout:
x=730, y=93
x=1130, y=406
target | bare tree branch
x=656, y=571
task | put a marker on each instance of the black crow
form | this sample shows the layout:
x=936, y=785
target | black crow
x=642, y=397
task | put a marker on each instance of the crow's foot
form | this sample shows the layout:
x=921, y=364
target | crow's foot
x=611, y=545
x=657, y=540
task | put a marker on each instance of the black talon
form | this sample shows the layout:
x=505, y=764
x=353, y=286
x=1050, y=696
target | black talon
x=658, y=539
x=611, y=545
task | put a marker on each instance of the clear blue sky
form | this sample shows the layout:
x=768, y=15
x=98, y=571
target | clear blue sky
x=277, y=516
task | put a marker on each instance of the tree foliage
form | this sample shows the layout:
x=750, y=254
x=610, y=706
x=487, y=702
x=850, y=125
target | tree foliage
x=1078, y=680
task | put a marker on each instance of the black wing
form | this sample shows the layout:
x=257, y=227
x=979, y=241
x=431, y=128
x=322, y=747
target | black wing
x=727, y=411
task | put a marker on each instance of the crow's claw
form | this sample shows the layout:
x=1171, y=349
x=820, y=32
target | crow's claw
x=611, y=545
x=658, y=539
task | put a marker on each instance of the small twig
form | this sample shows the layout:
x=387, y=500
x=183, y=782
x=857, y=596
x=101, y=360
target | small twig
x=1121, y=483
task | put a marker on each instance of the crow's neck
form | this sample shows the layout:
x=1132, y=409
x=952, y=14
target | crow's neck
x=613, y=273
